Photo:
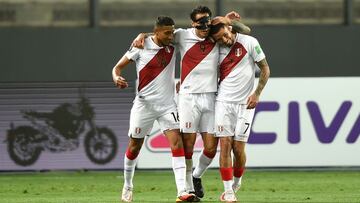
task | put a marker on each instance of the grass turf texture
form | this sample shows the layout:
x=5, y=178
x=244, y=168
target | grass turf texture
x=159, y=186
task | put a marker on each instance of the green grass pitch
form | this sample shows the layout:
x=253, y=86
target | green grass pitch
x=159, y=186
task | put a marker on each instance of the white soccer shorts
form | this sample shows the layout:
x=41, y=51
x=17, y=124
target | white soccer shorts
x=196, y=112
x=143, y=114
x=233, y=119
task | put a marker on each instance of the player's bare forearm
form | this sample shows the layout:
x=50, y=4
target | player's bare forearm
x=146, y=34
x=116, y=72
x=140, y=40
x=240, y=27
x=264, y=76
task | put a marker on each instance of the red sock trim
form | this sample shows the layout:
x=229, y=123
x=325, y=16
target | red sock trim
x=178, y=152
x=209, y=154
x=238, y=172
x=188, y=155
x=131, y=155
x=226, y=174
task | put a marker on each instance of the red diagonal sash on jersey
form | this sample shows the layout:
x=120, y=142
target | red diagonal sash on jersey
x=155, y=66
x=194, y=56
x=235, y=55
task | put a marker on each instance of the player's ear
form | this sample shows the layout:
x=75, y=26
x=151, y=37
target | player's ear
x=193, y=24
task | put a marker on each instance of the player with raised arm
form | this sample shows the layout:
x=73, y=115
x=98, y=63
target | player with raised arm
x=155, y=65
x=199, y=59
x=236, y=101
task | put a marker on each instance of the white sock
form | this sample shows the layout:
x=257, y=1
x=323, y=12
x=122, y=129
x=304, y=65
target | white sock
x=237, y=181
x=228, y=184
x=189, y=181
x=202, y=165
x=179, y=168
x=129, y=170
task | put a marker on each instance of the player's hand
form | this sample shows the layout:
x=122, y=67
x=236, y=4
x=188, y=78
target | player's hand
x=252, y=101
x=233, y=15
x=139, y=41
x=120, y=82
x=220, y=19
x=177, y=87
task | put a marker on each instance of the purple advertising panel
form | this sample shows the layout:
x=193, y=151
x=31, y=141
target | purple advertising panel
x=299, y=122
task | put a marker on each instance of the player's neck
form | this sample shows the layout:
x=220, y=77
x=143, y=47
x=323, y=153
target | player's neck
x=157, y=41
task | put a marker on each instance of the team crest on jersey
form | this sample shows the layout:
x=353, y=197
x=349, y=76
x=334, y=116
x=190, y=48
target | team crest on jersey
x=238, y=52
x=188, y=124
x=161, y=60
x=137, y=130
x=202, y=47
x=220, y=128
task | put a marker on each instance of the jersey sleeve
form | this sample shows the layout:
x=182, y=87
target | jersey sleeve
x=133, y=53
x=177, y=35
x=255, y=50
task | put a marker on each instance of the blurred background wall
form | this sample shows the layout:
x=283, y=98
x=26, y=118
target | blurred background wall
x=68, y=40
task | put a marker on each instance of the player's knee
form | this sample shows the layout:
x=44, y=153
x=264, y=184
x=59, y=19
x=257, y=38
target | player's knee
x=176, y=145
x=225, y=142
x=188, y=145
x=134, y=149
x=210, y=152
x=135, y=145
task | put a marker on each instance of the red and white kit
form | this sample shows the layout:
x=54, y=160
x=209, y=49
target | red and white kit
x=236, y=83
x=155, y=67
x=199, y=59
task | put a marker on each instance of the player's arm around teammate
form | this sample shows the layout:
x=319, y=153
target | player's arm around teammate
x=235, y=103
x=197, y=90
x=200, y=117
x=154, y=101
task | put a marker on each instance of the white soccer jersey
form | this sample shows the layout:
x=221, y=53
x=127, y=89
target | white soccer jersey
x=199, y=59
x=237, y=69
x=155, y=67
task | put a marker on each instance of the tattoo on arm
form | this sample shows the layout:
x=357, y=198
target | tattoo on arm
x=240, y=27
x=264, y=76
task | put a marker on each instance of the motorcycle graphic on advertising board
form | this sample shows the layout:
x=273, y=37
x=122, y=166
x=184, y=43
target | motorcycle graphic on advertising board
x=59, y=131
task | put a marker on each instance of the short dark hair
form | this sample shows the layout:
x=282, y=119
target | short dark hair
x=199, y=9
x=216, y=28
x=164, y=21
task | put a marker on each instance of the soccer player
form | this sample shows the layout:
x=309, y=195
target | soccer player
x=236, y=101
x=199, y=59
x=155, y=65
